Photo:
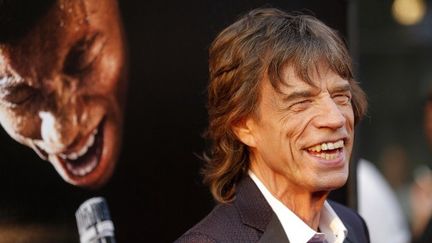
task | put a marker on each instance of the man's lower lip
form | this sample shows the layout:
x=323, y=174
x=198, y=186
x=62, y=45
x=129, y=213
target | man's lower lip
x=91, y=159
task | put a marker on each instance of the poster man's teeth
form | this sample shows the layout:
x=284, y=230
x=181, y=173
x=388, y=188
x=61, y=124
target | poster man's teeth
x=83, y=150
x=82, y=171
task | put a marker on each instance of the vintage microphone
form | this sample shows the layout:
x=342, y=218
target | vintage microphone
x=94, y=222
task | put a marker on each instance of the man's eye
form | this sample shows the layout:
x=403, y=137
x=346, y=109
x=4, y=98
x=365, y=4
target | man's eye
x=301, y=105
x=17, y=95
x=342, y=99
x=82, y=55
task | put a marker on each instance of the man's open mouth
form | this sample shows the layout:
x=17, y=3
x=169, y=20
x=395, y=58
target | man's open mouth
x=327, y=150
x=85, y=159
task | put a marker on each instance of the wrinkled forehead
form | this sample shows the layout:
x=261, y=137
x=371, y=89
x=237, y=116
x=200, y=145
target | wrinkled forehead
x=66, y=19
x=293, y=75
x=63, y=22
x=43, y=48
x=21, y=20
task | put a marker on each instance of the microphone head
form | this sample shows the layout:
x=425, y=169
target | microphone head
x=94, y=221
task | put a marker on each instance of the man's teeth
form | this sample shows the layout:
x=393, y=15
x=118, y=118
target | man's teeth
x=327, y=156
x=327, y=146
x=83, y=150
x=84, y=170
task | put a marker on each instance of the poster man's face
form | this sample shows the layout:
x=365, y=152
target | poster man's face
x=61, y=89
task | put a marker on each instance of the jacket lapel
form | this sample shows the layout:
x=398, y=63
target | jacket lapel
x=253, y=209
x=351, y=235
x=274, y=232
x=347, y=240
x=255, y=212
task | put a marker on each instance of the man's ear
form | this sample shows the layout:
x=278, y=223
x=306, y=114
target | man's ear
x=244, y=130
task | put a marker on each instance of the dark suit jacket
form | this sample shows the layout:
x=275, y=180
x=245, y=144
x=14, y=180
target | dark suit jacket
x=249, y=218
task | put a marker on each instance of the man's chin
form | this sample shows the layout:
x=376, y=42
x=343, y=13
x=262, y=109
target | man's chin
x=330, y=180
x=333, y=183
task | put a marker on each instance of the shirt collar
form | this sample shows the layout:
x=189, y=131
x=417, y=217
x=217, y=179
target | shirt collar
x=298, y=231
x=332, y=225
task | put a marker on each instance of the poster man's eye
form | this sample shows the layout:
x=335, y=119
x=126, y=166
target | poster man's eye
x=17, y=94
x=82, y=55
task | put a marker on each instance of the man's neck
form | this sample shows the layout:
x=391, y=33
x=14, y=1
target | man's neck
x=306, y=205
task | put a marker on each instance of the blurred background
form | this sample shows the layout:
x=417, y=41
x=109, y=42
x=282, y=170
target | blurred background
x=156, y=193
x=393, y=48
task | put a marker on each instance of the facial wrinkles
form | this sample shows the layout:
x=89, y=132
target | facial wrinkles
x=345, y=112
x=62, y=128
x=13, y=117
x=304, y=122
x=296, y=146
x=286, y=136
x=7, y=73
x=286, y=116
x=36, y=46
x=59, y=114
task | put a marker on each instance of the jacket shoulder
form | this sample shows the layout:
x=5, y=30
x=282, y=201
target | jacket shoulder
x=222, y=224
x=195, y=237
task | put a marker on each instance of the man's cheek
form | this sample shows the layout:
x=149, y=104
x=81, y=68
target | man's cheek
x=100, y=82
x=111, y=68
x=19, y=126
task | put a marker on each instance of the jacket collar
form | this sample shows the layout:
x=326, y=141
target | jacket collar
x=255, y=212
x=253, y=209
x=274, y=232
x=350, y=236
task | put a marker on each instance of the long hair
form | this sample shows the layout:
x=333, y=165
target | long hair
x=261, y=42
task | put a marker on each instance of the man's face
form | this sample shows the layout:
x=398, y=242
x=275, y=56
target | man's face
x=61, y=89
x=304, y=134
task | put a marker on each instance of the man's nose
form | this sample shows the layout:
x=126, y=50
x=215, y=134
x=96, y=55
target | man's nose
x=57, y=131
x=331, y=115
x=59, y=121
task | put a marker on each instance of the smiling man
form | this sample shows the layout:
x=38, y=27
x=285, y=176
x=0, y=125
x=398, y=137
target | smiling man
x=62, y=83
x=282, y=109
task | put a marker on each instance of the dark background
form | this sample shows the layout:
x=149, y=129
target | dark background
x=156, y=193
